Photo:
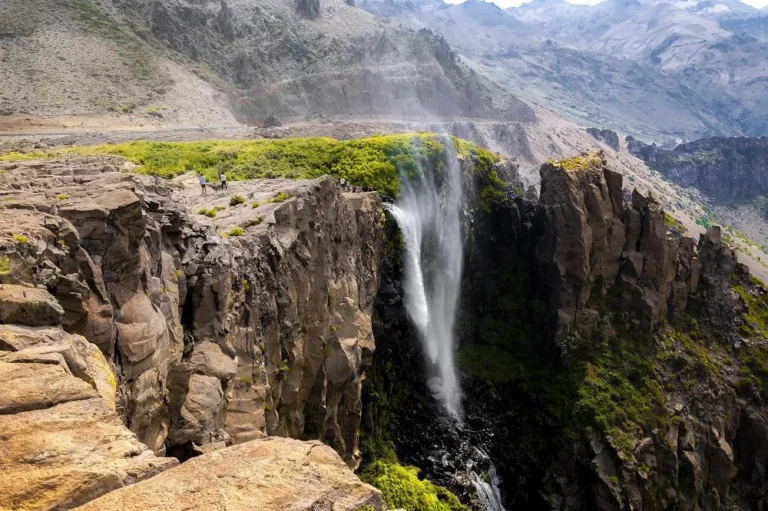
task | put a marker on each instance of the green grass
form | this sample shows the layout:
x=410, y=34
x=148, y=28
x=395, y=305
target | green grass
x=236, y=200
x=236, y=231
x=375, y=162
x=209, y=212
x=19, y=238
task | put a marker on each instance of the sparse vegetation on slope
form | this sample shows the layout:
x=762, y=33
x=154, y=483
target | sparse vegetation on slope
x=373, y=163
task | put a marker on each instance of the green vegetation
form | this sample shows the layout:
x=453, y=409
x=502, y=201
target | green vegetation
x=375, y=162
x=584, y=161
x=754, y=356
x=252, y=221
x=19, y=238
x=401, y=485
x=403, y=489
x=280, y=197
x=236, y=200
x=62, y=197
x=209, y=212
x=244, y=380
x=236, y=231
x=5, y=267
x=282, y=370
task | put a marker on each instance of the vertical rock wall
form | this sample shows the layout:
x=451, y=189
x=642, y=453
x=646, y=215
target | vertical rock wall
x=213, y=338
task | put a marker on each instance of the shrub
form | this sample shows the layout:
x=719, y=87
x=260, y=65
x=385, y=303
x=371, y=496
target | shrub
x=236, y=231
x=21, y=239
x=236, y=200
x=209, y=212
x=62, y=197
x=252, y=221
x=374, y=163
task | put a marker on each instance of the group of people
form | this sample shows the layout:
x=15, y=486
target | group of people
x=222, y=180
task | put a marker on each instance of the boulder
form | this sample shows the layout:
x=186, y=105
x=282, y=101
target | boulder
x=275, y=474
x=28, y=306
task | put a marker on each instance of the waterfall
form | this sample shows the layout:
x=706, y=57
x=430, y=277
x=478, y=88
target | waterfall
x=488, y=491
x=428, y=216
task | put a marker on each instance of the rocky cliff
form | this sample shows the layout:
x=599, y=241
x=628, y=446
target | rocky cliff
x=251, y=321
x=609, y=361
x=725, y=169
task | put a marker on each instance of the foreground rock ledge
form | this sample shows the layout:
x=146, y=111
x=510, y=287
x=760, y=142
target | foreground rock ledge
x=279, y=474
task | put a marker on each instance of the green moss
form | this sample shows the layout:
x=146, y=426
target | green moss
x=19, y=238
x=62, y=197
x=754, y=356
x=236, y=200
x=245, y=380
x=282, y=370
x=5, y=268
x=587, y=161
x=375, y=163
x=236, y=231
x=403, y=489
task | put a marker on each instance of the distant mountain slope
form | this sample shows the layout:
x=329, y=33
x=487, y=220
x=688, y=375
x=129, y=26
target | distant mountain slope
x=68, y=57
x=662, y=70
x=266, y=56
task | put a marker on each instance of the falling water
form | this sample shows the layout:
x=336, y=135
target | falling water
x=428, y=216
x=488, y=491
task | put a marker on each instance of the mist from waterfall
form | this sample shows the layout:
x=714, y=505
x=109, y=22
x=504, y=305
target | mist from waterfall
x=428, y=214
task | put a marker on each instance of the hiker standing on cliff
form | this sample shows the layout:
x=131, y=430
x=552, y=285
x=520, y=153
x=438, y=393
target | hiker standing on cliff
x=202, y=183
x=223, y=179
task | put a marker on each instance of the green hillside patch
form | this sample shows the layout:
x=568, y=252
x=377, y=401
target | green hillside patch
x=374, y=163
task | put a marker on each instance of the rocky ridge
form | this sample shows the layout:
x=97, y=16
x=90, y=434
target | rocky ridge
x=218, y=330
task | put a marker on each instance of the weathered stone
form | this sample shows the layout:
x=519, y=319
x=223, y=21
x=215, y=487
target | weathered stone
x=275, y=474
x=28, y=306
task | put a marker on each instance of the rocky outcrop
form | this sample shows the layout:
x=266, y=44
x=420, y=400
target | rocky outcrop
x=274, y=474
x=595, y=249
x=219, y=330
x=725, y=169
x=607, y=136
x=62, y=443
x=310, y=9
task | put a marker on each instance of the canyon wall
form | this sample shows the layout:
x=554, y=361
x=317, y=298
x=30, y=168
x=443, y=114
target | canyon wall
x=218, y=330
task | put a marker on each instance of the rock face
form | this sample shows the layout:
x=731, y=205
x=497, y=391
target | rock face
x=275, y=474
x=310, y=9
x=597, y=248
x=284, y=57
x=609, y=137
x=213, y=338
x=62, y=443
x=726, y=169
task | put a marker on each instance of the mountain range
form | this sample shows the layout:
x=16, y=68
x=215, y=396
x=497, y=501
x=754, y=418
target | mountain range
x=660, y=70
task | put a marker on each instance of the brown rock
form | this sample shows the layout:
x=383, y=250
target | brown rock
x=275, y=474
x=28, y=306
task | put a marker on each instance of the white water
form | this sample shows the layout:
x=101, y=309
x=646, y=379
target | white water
x=430, y=223
x=488, y=491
